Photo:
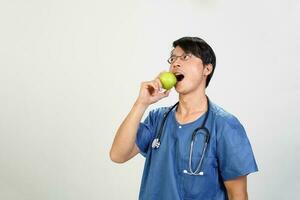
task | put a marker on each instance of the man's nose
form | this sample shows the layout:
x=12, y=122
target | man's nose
x=175, y=65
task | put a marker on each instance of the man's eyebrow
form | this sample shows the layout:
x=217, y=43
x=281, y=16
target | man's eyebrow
x=171, y=54
x=174, y=55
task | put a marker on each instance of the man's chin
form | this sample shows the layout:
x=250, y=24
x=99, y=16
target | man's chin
x=181, y=91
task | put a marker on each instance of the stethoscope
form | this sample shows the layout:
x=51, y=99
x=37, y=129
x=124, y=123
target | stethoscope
x=202, y=129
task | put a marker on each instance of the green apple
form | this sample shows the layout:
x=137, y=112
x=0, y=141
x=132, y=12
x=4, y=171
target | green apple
x=168, y=80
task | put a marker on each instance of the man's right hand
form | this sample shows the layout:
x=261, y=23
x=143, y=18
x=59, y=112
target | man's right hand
x=151, y=92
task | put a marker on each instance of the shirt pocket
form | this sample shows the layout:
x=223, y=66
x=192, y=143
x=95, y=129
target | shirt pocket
x=199, y=186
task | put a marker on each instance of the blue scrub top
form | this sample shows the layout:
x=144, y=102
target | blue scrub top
x=228, y=156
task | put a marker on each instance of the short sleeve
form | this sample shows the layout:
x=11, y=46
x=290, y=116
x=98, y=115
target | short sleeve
x=146, y=132
x=234, y=150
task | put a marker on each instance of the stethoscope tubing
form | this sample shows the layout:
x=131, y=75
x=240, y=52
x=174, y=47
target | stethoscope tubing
x=157, y=141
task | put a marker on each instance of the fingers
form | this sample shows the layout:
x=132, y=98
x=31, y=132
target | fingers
x=154, y=87
x=167, y=92
x=153, y=90
x=157, y=83
x=151, y=86
x=164, y=94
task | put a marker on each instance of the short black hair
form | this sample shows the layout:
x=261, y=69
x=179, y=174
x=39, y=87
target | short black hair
x=199, y=48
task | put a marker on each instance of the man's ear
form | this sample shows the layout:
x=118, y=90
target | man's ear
x=208, y=69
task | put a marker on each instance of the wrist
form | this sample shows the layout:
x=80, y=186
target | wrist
x=140, y=105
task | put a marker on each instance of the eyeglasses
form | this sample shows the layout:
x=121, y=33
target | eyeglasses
x=183, y=57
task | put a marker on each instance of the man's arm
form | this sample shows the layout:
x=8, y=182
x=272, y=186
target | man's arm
x=237, y=188
x=124, y=147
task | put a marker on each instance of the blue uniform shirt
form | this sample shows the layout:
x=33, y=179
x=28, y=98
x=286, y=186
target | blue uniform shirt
x=228, y=155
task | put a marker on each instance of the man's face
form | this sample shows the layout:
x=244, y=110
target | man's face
x=189, y=71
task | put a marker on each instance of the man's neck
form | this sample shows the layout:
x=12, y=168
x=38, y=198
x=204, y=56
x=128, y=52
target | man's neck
x=192, y=103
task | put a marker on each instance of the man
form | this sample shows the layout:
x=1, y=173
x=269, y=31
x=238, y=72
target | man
x=202, y=151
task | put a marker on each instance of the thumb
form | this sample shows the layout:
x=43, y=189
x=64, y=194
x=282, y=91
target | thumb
x=165, y=93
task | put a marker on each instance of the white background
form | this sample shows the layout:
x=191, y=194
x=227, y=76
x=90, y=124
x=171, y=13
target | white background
x=71, y=70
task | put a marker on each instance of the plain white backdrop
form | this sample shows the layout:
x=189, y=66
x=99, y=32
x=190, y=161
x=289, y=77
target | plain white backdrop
x=71, y=70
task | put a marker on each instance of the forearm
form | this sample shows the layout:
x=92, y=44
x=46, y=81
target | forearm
x=125, y=137
x=237, y=188
x=238, y=196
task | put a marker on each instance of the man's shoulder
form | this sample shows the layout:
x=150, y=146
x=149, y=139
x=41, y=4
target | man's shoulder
x=222, y=115
x=159, y=111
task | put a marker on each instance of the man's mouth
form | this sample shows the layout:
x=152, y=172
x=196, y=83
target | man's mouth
x=179, y=77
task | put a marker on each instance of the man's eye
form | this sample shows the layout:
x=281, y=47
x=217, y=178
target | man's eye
x=185, y=57
x=172, y=59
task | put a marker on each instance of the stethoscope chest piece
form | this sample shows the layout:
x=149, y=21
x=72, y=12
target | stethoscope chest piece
x=156, y=143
